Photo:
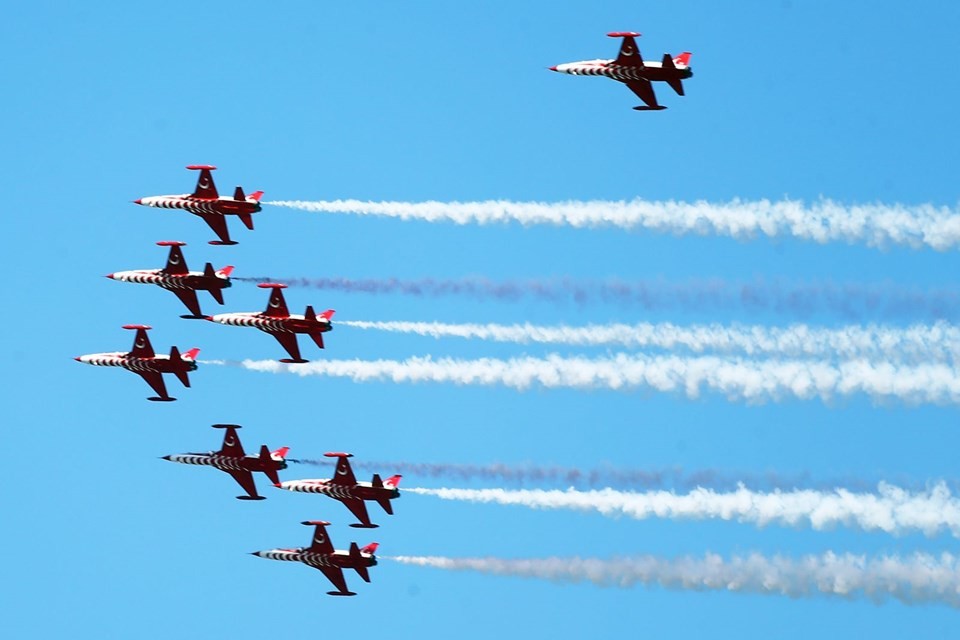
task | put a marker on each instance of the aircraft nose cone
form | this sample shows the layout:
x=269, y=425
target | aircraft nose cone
x=553, y=68
x=165, y=457
x=78, y=359
x=109, y=275
x=137, y=201
x=255, y=553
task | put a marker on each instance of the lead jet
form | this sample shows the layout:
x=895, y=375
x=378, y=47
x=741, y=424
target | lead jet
x=345, y=488
x=232, y=459
x=277, y=320
x=631, y=69
x=321, y=555
x=210, y=205
x=176, y=277
x=145, y=363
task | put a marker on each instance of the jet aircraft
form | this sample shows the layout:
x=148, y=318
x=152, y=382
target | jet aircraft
x=345, y=488
x=232, y=459
x=210, y=205
x=176, y=277
x=145, y=363
x=630, y=69
x=277, y=320
x=321, y=555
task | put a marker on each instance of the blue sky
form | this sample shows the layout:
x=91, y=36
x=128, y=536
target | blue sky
x=432, y=100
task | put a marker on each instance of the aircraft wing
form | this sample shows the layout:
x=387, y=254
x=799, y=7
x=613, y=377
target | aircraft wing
x=629, y=54
x=289, y=342
x=176, y=265
x=141, y=343
x=276, y=305
x=155, y=380
x=231, y=445
x=357, y=508
x=335, y=576
x=320, y=542
x=245, y=480
x=644, y=91
x=219, y=225
x=344, y=474
x=189, y=299
x=205, y=187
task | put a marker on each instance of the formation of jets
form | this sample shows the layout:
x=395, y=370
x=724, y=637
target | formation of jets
x=206, y=202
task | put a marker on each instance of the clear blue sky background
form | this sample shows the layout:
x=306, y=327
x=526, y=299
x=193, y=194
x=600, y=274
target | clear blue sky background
x=106, y=102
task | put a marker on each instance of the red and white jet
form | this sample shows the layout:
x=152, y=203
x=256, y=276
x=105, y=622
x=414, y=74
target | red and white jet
x=176, y=277
x=321, y=555
x=345, y=488
x=630, y=69
x=210, y=205
x=145, y=363
x=277, y=320
x=232, y=459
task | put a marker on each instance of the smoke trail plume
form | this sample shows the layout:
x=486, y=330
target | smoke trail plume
x=850, y=300
x=892, y=509
x=737, y=379
x=876, y=225
x=939, y=342
x=917, y=579
x=675, y=478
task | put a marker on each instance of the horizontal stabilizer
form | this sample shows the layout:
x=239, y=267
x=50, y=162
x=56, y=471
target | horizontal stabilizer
x=268, y=464
x=246, y=219
x=385, y=503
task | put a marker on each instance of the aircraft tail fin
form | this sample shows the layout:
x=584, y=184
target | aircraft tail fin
x=328, y=314
x=256, y=195
x=268, y=464
x=672, y=79
x=309, y=314
x=682, y=60
x=178, y=362
x=358, y=561
x=225, y=272
x=385, y=503
x=393, y=482
x=239, y=195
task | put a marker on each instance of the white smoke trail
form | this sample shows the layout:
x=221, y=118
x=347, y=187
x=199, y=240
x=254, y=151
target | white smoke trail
x=738, y=379
x=938, y=342
x=876, y=225
x=849, y=300
x=892, y=509
x=640, y=478
x=917, y=579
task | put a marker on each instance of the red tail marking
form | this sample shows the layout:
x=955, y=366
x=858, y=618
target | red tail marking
x=226, y=271
x=280, y=453
x=255, y=196
x=393, y=481
x=683, y=58
x=326, y=315
x=190, y=355
x=370, y=548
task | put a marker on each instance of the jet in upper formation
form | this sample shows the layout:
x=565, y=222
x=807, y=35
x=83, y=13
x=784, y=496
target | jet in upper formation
x=176, y=277
x=148, y=365
x=232, y=459
x=321, y=555
x=631, y=69
x=277, y=320
x=345, y=488
x=210, y=205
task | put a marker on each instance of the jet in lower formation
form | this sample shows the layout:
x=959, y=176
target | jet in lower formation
x=148, y=365
x=321, y=555
x=631, y=69
x=232, y=459
x=176, y=277
x=345, y=488
x=277, y=320
x=210, y=205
